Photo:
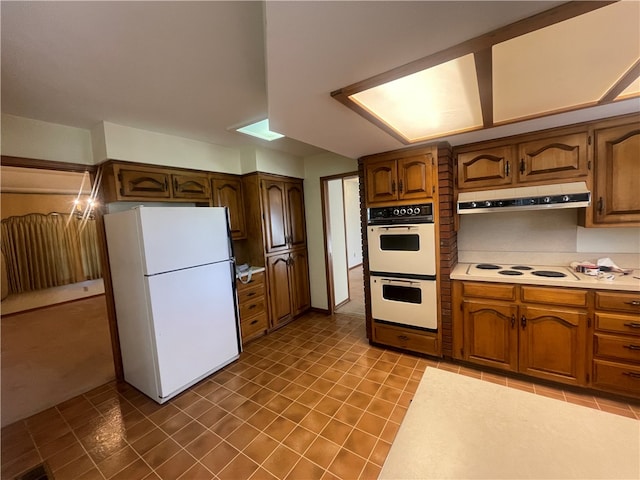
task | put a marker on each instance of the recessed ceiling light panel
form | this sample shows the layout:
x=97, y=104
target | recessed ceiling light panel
x=261, y=130
x=434, y=102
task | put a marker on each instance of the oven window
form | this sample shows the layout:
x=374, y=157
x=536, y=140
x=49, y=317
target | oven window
x=402, y=294
x=406, y=243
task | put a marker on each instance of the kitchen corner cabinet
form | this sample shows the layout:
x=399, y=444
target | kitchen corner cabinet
x=289, y=286
x=400, y=176
x=537, y=331
x=531, y=160
x=615, y=199
x=616, y=342
x=227, y=192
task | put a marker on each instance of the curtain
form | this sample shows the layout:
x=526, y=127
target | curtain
x=44, y=251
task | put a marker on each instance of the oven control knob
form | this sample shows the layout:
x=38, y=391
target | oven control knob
x=487, y=203
x=474, y=204
x=565, y=198
x=396, y=211
x=532, y=201
x=402, y=211
x=546, y=199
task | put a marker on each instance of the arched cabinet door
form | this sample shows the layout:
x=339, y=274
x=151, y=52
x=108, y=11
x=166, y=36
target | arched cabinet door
x=280, y=289
x=485, y=168
x=382, y=181
x=275, y=215
x=227, y=192
x=617, y=176
x=296, y=230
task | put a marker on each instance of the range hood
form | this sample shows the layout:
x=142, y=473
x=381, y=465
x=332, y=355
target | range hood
x=541, y=197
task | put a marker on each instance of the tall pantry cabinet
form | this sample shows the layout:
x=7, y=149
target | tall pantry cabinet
x=277, y=232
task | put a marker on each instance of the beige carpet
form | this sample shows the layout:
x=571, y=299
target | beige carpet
x=463, y=428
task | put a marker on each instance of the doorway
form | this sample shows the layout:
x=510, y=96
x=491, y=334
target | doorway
x=343, y=243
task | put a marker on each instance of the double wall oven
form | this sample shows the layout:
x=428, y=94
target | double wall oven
x=402, y=265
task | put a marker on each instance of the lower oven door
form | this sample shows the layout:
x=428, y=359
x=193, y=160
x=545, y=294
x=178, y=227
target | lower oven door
x=405, y=301
x=408, y=249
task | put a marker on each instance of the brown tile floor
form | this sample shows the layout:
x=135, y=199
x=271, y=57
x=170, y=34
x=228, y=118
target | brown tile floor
x=311, y=400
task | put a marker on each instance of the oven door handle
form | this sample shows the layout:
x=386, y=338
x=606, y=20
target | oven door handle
x=395, y=227
x=393, y=281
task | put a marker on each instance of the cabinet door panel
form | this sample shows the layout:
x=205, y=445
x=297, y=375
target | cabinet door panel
x=295, y=208
x=491, y=334
x=563, y=157
x=280, y=305
x=616, y=198
x=485, y=168
x=553, y=344
x=191, y=186
x=415, y=177
x=142, y=183
x=273, y=200
x=382, y=181
x=227, y=192
x=300, y=281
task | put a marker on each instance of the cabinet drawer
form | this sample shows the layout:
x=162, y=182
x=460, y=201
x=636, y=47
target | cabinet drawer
x=623, y=302
x=253, y=325
x=618, y=377
x=618, y=347
x=405, y=338
x=252, y=308
x=497, y=291
x=554, y=296
x=256, y=279
x=610, y=322
x=248, y=295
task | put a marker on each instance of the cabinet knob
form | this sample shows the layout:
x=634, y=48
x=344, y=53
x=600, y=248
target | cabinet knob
x=523, y=322
x=632, y=324
x=513, y=321
x=635, y=303
x=632, y=347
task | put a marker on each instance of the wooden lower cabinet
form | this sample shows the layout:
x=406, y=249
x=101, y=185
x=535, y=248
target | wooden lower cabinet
x=542, y=340
x=616, y=342
x=289, y=295
x=254, y=320
x=406, y=338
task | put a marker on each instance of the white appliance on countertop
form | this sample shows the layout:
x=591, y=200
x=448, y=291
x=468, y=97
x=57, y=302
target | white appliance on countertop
x=172, y=271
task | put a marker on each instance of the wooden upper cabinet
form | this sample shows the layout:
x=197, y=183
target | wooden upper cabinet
x=194, y=186
x=296, y=227
x=415, y=177
x=141, y=182
x=284, y=223
x=382, y=181
x=409, y=177
x=562, y=157
x=227, y=192
x=275, y=217
x=485, y=168
x=616, y=197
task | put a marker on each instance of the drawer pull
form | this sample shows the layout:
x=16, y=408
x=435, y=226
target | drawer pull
x=632, y=374
x=632, y=324
x=632, y=347
x=251, y=294
x=403, y=338
x=635, y=303
x=513, y=321
x=254, y=322
x=253, y=306
x=523, y=322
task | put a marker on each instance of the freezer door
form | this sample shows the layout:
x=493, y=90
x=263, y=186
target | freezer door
x=181, y=237
x=194, y=322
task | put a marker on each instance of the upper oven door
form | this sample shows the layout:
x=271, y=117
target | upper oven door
x=408, y=249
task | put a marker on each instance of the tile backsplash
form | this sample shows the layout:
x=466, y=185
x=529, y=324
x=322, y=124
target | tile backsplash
x=550, y=237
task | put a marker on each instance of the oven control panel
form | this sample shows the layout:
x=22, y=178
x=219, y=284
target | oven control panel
x=421, y=213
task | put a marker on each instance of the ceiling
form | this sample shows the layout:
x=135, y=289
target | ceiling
x=199, y=69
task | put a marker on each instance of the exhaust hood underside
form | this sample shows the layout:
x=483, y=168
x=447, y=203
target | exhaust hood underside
x=542, y=197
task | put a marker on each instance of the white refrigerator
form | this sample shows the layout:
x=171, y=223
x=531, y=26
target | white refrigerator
x=173, y=279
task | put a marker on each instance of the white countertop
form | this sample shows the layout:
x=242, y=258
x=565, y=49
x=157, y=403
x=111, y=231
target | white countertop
x=572, y=280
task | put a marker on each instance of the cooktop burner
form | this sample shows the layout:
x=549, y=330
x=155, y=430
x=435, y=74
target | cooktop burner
x=488, y=266
x=522, y=267
x=548, y=273
x=509, y=272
